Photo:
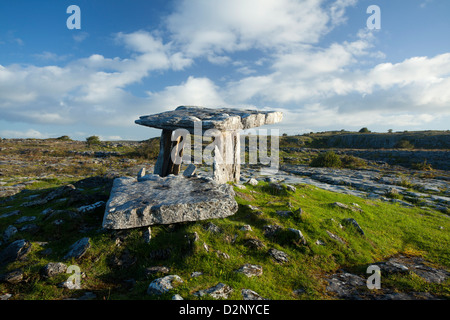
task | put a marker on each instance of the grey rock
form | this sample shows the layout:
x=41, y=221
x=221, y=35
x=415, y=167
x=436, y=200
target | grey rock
x=252, y=182
x=5, y=296
x=298, y=234
x=211, y=227
x=278, y=255
x=246, y=228
x=162, y=285
x=223, y=255
x=17, y=250
x=248, y=294
x=219, y=291
x=91, y=207
x=25, y=219
x=284, y=213
x=271, y=230
x=13, y=277
x=345, y=284
x=147, y=235
x=78, y=249
x=70, y=284
x=156, y=269
x=335, y=237
x=31, y=228
x=221, y=119
x=290, y=187
x=353, y=222
x=10, y=214
x=177, y=297
x=190, y=171
x=250, y=270
x=53, y=268
x=196, y=274
x=140, y=174
x=9, y=232
x=319, y=242
x=55, y=194
x=255, y=244
x=169, y=200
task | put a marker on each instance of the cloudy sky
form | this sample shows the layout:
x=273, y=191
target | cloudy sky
x=315, y=60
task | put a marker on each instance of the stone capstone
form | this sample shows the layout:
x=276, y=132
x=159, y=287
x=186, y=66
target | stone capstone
x=187, y=117
x=167, y=200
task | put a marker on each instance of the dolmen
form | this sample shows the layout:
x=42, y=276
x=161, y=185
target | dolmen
x=165, y=196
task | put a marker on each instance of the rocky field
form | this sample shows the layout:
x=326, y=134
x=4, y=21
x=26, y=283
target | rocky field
x=302, y=233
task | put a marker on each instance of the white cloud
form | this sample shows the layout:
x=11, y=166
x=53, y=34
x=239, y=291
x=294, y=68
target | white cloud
x=80, y=36
x=31, y=133
x=195, y=91
x=203, y=27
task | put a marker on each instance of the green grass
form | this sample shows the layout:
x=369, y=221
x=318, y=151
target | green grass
x=389, y=229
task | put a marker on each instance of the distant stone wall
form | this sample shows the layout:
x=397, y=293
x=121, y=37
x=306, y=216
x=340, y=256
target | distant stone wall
x=439, y=159
x=421, y=140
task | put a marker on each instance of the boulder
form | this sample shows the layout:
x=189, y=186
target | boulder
x=250, y=270
x=9, y=232
x=166, y=200
x=162, y=285
x=248, y=294
x=219, y=291
x=17, y=250
x=78, y=249
x=353, y=223
x=53, y=268
x=12, y=277
x=278, y=255
x=190, y=171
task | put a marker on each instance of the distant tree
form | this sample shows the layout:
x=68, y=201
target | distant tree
x=64, y=138
x=390, y=130
x=285, y=134
x=364, y=130
x=92, y=140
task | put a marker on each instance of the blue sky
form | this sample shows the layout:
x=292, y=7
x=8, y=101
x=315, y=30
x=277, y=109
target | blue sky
x=315, y=60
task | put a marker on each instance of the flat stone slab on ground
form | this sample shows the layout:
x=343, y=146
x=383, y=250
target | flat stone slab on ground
x=167, y=200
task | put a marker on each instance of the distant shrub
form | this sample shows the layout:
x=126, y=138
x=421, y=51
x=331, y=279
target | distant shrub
x=328, y=159
x=364, y=130
x=352, y=162
x=64, y=138
x=150, y=149
x=404, y=144
x=92, y=140
x=390, y=130
x=423, y=166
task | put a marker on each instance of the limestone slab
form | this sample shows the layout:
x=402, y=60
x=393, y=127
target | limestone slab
x=172, y=199
x=221, y=119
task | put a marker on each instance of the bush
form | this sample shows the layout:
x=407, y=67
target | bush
x=328, y=159
x=423, y=166
x=64, y=138
x=352, y=162
x=364, y=130
x=93, y=140
x=404, y=144
x=150, y=149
